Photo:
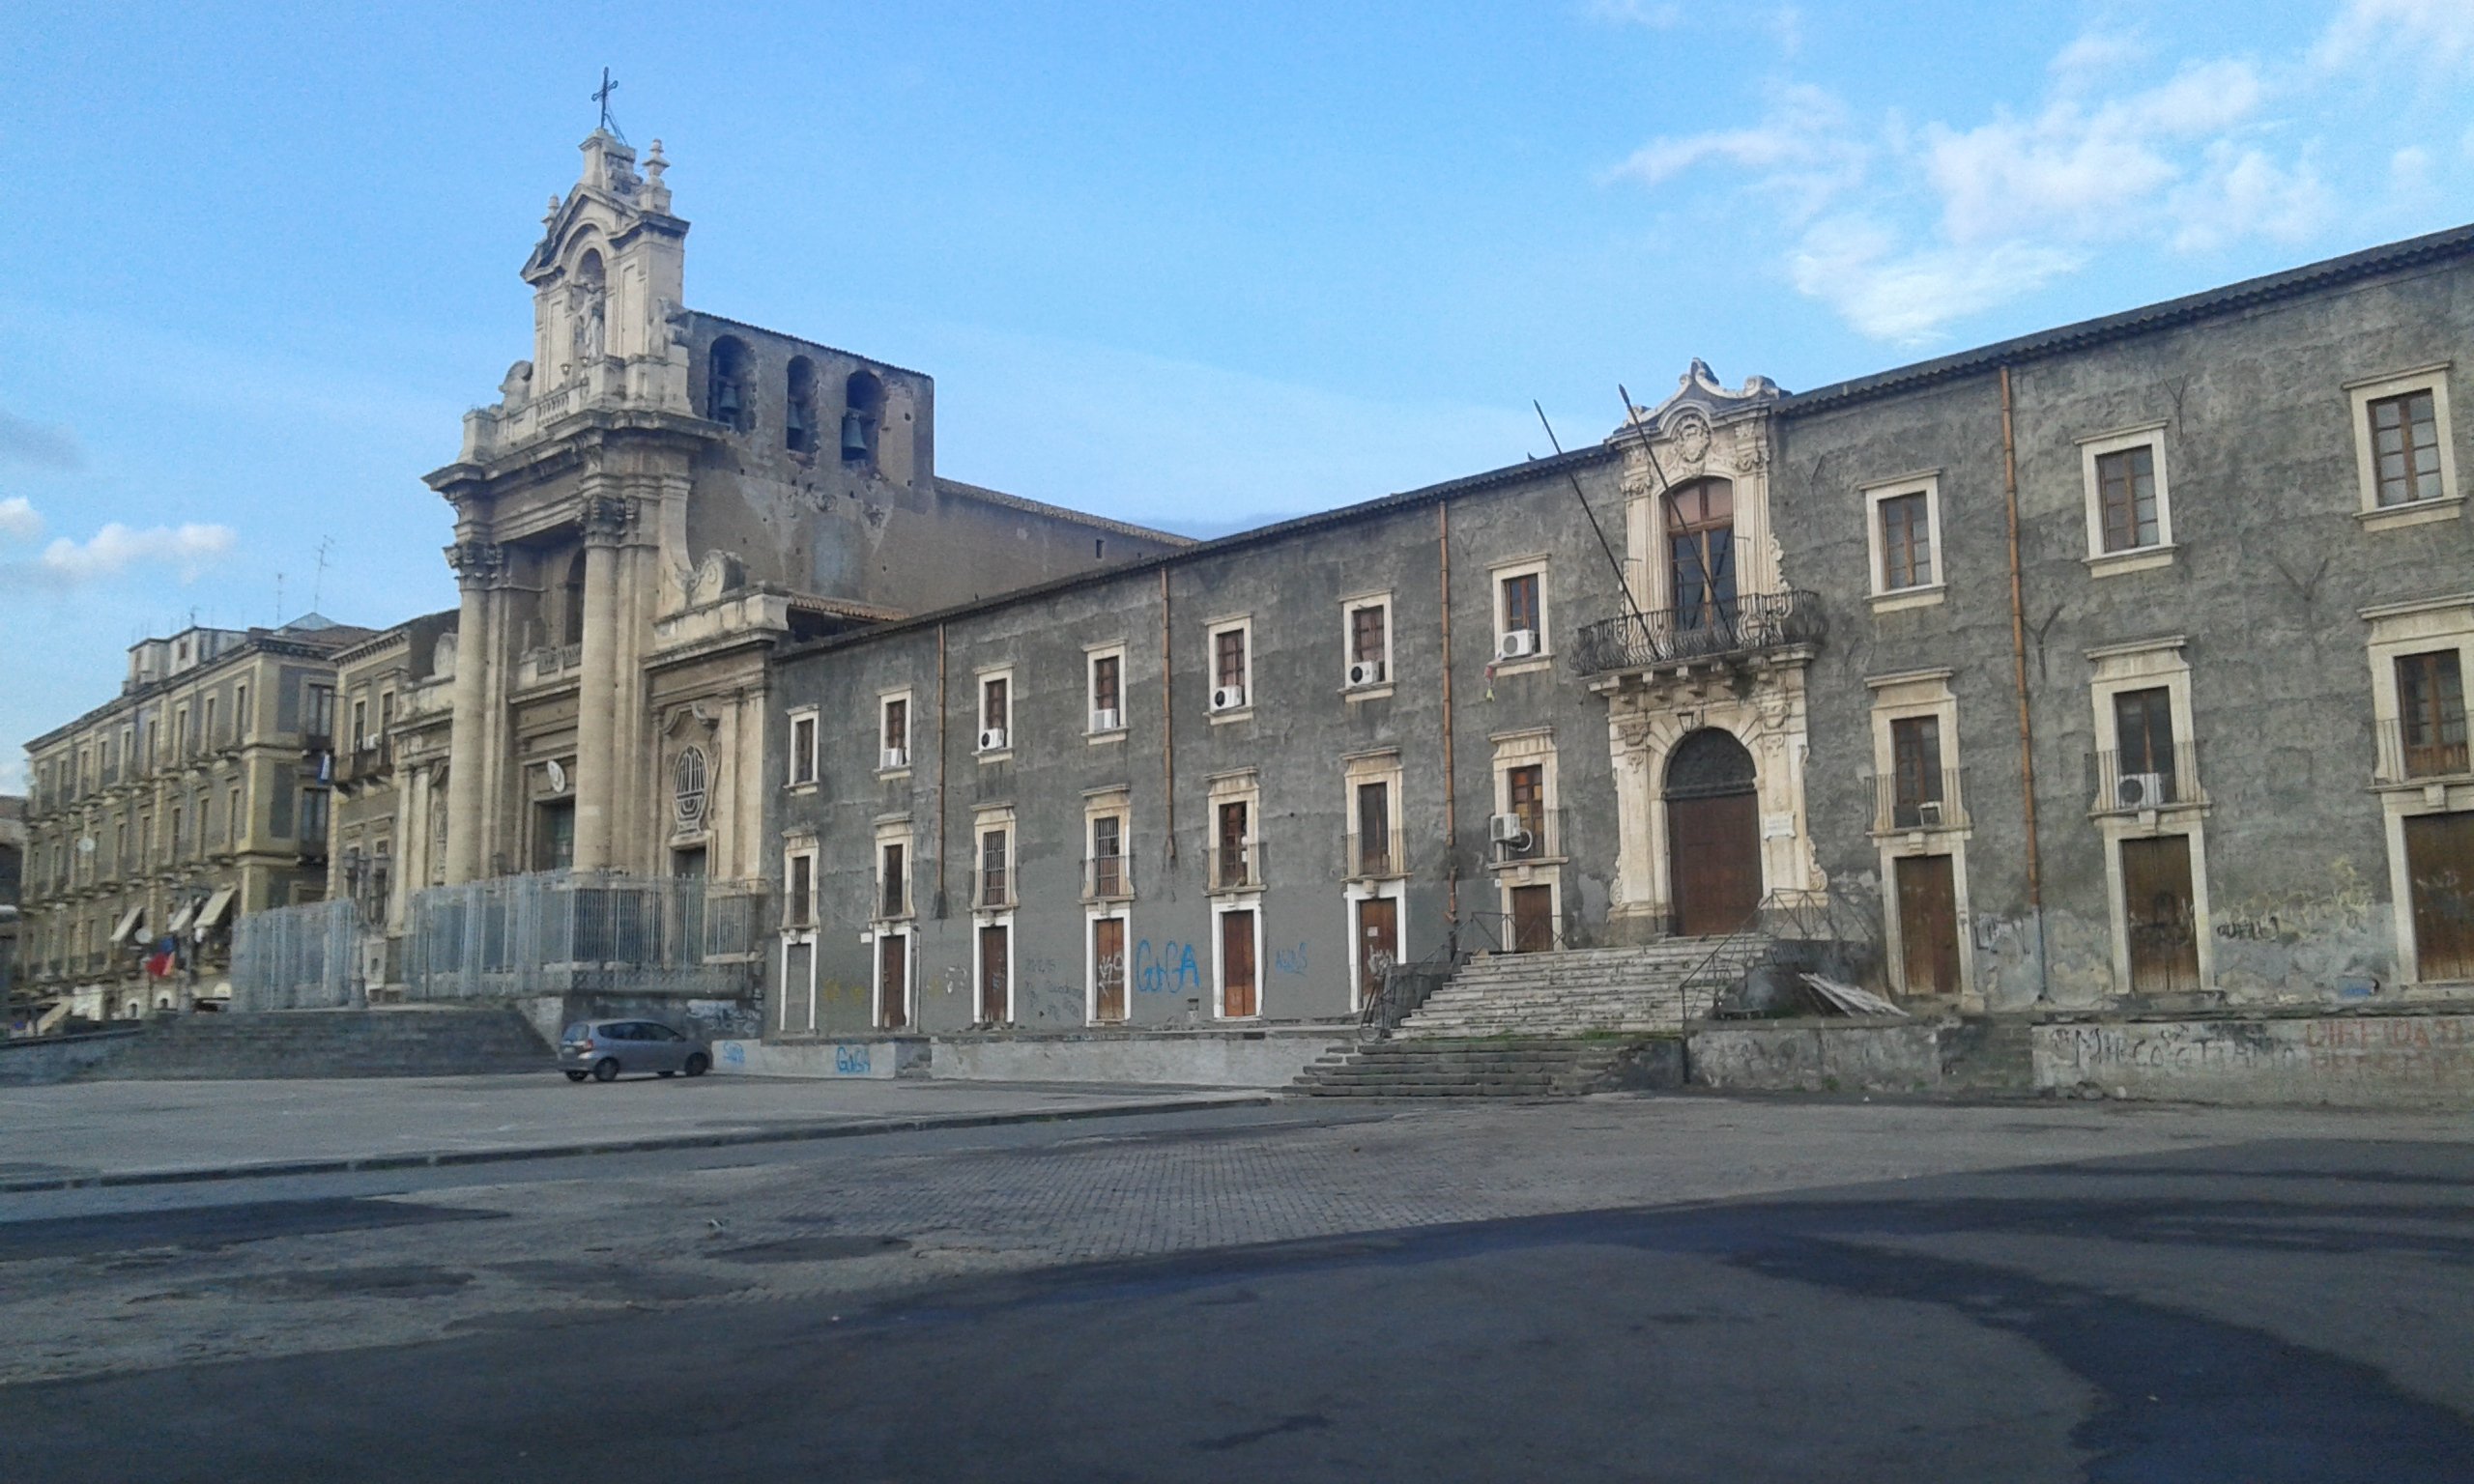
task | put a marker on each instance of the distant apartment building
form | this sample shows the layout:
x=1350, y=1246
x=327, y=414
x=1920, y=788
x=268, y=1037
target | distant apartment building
x=16, y=1011
x=199, y=794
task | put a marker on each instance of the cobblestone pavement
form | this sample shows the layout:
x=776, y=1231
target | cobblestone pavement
x=103, y=1281
x=85, y=1129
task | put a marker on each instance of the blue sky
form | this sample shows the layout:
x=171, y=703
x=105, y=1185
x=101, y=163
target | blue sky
x=1184, y=265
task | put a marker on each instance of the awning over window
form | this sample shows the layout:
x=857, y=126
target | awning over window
x=181, y=919
x=211, y=914
x=128, y=925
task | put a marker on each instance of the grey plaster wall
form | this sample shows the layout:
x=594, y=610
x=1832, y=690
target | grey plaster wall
x=2271, y=572
x=1292, y=584
x=887, y=530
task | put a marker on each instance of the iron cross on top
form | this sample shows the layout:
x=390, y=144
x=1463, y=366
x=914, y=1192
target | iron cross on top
x=609, y=85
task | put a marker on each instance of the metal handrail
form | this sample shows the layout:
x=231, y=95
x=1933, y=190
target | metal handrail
x=1748, y=623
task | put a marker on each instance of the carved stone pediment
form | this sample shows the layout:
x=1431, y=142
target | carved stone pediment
x=1699, y=405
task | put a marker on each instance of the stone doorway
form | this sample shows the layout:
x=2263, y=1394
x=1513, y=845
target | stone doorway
x=1713, y=834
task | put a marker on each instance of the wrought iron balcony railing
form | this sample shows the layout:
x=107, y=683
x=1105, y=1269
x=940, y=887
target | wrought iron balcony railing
x=1932, y=802
x=1738, y=628
x=2423, y=751
x=2126, y=784
x=1107, y=877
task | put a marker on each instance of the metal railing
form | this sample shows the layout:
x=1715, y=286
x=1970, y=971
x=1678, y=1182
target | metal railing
x=1378, y=858
x=1506, y=932
x=1404, y=988
x=556, y=931
x=2125, y=784
x=294, y=957
x=1107, y=877
x=1828, y=928
x=2412, y=754
x=1905, y=808
x=1236, y=864
x=1752, y=623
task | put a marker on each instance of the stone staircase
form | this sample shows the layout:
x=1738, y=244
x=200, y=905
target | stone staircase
x=1511, y=1068
x=1578, y=990
x=332, y=1043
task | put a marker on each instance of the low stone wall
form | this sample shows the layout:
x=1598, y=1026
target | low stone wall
x=1901, y=1056
x=37, y=1059
x=2336, y=1061
x=869, y=1060
x=1187, y=1058
x=1249, y=1059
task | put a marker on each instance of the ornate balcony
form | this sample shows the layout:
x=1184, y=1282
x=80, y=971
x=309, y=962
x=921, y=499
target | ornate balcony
x=1743, y=628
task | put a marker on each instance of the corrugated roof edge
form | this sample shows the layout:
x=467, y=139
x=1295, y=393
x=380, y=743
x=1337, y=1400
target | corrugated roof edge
x=1261, y=535
x=2291, y=283
x=969, y=491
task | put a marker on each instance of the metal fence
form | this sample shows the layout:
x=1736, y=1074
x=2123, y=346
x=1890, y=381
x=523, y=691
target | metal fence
x=557, y=932
x=294, y=957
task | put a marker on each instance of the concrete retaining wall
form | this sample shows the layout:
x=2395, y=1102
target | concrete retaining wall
x=872, y=1059
x=43, y=1059
x=2364, y=1061
x=1903, y=1057
x=1263, y=1059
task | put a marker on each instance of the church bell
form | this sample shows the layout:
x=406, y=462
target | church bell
x=726, y=402
x=854, y=436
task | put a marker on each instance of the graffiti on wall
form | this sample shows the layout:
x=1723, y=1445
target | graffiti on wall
x=1166, y=971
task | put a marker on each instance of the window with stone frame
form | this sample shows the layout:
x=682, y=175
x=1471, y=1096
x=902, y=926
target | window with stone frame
x=797, y=904
x=2431, y=704
x=996, y=877
x=894, y=734
x=1907, y=541
x=2126, y=497
x=1232, y=858
x=996, y=707
x=2143, y=736
x=1108, y=692
x=802, y=750
x=1915, y=771
x=2404, y=446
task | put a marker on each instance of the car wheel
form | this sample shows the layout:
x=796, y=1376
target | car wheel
x=606, y=1070
x=575, y=1077
x=697, y=1064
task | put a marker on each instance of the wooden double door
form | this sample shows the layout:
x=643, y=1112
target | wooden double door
x=1714, y=852
x=2439, y=873
x=1239, y=995
x=2160, y=915
x=1928, y=925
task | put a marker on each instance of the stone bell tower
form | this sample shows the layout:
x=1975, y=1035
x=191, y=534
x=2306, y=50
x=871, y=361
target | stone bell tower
x=571, y=498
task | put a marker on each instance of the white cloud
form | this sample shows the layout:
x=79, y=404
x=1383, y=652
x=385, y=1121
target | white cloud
x=186, y=551
x=2436, y=32
x=1904, y=227
x=1892, y=293
x=19, y=519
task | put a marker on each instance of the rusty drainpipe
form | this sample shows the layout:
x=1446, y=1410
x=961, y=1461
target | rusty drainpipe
x=940, y=772
x=1168, y=728
x=2019, y=669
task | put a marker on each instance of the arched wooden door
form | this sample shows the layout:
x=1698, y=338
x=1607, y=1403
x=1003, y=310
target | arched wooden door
x=1713, y=834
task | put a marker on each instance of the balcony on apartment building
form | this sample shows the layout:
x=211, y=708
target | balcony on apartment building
x=1735, y=630
x=2130, y=783
x=1906, y=802
x=2424, y=750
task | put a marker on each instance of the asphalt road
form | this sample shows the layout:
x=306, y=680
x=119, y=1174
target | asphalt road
x=1674, y=1288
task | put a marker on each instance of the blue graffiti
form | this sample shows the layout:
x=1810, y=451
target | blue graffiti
x=734, y=1053
x=850, y=1060
x=1287, y=960
x=1170, y=969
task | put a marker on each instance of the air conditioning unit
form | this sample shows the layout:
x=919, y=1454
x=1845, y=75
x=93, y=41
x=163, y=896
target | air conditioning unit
x=1928, y=813
x=992, y=739
x=897, y=757
x=1107, y=721
x=1508, y=830
x=1518, y=644
x=1227, y=697
x=2140, y=790
x=1366, y=673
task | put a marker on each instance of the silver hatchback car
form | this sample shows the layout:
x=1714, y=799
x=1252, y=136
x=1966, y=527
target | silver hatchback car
x=601, y=1050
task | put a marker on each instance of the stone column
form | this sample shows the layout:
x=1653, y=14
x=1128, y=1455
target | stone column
x=477, y=565
x=605, y=522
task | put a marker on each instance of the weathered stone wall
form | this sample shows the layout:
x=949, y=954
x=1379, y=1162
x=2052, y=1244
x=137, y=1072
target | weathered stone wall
x=2366, y=1061
x=1302, y=729
x=2269, y=572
